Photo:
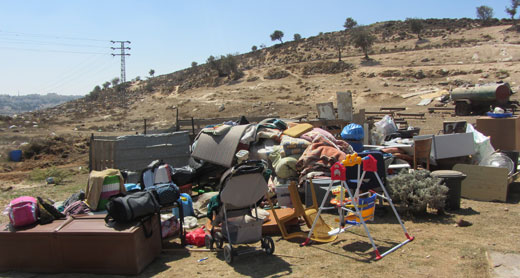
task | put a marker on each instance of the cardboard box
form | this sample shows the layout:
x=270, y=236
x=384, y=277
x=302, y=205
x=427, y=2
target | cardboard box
x=83, y=244
x=504, y=132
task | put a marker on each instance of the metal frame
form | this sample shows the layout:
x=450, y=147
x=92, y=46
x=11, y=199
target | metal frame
x=342, y=208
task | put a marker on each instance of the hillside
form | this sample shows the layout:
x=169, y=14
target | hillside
x=10, y=105
x=288, y=80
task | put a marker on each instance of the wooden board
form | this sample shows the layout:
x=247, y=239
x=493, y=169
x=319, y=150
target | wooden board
x=344, y=106
x=484, y=183
x=326, y=110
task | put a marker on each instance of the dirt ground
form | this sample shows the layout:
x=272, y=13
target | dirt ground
x=440, y=249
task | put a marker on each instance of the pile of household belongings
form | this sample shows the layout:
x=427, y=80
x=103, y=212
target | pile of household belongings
x=294, y=151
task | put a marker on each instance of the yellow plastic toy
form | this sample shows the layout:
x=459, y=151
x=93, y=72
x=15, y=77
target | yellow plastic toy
x=351, y=160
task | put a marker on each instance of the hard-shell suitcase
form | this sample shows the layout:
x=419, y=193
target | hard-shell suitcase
x=81, y=244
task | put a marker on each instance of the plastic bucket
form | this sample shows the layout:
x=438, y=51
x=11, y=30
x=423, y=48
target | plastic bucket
x=356, y=145
x=15, y=155
x=283, y=195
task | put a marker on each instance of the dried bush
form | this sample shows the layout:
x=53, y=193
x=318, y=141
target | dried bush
x=276, y=73
x=327, y=67
x=417, y=190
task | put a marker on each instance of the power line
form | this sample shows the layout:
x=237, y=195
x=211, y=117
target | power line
x=76, y=72
x=51, y=50
x=123, y=54
x=34, y=42
x=49, y=36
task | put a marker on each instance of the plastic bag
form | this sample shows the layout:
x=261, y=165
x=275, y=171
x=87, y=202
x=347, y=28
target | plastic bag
x=353, y=132
x=382, y=128
x=196, y=237
x=170, y=226
x=483, y=147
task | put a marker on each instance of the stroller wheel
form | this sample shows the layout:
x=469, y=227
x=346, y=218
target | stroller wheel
x=228, y=253
x=268, y=245
x=208, y=241
x=219, y=239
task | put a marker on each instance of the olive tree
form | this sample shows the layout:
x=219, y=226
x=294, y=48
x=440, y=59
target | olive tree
x=484, y=13
x=349, y=23
x=416, y=26
x=115, y=81
x=512, y=10
x=277, y=35
x=362, y=37
x=297, y=37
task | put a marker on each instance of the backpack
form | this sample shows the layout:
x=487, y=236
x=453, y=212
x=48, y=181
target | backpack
x=131, y=207
x=23, y=211
x=165, y=194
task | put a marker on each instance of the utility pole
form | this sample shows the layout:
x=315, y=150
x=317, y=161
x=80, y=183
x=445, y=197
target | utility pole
x=123, y=54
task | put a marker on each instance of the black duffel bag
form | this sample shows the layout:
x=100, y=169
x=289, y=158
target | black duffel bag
x=132, y=207
x=184, y=175
x=166, y=193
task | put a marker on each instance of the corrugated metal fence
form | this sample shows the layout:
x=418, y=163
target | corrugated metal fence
x=135, y=152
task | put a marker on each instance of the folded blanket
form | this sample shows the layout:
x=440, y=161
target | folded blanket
x=269, y=133
x=311, y=135
x=321, y=155
x=292, y=145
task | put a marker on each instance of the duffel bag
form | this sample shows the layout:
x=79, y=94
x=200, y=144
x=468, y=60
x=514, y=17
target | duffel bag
x=166, y=194
x=132, y=207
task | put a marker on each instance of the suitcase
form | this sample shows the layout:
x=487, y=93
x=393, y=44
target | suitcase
x=81, y=244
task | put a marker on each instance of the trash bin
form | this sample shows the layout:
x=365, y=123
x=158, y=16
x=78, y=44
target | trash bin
x=452, y=179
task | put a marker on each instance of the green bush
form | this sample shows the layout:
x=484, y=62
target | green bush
x=417, y=190
x=42, y=174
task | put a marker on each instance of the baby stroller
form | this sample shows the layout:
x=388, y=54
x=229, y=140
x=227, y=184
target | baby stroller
x=241, y=189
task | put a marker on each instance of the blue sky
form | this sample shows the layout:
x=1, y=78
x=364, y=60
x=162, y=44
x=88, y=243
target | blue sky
x=64, y=46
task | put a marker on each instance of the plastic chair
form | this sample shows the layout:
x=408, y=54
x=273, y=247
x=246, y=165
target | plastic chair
x=308, y=214
x=421, y=150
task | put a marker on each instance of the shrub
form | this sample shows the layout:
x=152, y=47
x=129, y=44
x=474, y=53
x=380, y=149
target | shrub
x=276, y=73
x=417, y=190
x=326, y=67
x=42, y=174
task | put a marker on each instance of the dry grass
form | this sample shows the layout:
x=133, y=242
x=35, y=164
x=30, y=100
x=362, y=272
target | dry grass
x=440, y=249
